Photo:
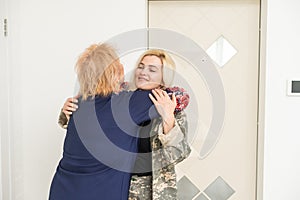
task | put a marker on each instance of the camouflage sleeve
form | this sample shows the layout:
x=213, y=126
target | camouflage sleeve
x=173, y=137
x=175, y=148
x=63, y=120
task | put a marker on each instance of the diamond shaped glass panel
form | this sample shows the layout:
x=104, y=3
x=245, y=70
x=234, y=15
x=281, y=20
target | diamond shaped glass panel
x=219, y=190
x=186, y=189
x=201, y=197
x=221, y=51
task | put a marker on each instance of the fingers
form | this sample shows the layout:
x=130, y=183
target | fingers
x=155, y=92
x=73, y=99
x=159, y=94
x=153, y=99
x=70, y=105
x=174, y=98
x=161, y=97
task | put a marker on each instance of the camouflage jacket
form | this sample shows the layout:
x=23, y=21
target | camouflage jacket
x=167, y=150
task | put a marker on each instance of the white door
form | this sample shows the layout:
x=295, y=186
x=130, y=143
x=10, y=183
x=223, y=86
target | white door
x=223, y=163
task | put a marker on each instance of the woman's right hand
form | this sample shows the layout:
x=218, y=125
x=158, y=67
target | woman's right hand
x=70, y=106
x=165, y=106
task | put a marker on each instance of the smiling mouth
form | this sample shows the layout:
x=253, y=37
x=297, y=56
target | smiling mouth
x=142, y=79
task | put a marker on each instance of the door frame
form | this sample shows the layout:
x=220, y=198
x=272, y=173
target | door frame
x=261, y=99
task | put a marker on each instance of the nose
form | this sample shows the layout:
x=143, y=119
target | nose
x=143, y=71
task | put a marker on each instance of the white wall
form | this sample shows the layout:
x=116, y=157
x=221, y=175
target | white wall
x=282, y=113
x=4, y=111
x=46, y=38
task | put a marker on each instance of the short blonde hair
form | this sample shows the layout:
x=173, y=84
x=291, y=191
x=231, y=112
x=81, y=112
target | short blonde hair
x=98, y=71
x=168, y=65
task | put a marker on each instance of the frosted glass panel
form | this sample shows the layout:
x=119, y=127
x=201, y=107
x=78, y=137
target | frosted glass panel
x=221, y=51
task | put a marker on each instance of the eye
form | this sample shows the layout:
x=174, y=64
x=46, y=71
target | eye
x=141, y=66
x=153, y=68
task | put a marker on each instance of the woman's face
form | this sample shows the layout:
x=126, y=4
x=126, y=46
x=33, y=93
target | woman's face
x=148, y=74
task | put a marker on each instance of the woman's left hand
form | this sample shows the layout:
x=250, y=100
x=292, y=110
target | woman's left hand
x=165, y=106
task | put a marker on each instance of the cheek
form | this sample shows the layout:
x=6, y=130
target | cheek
x=136, y=73
x=157, y=77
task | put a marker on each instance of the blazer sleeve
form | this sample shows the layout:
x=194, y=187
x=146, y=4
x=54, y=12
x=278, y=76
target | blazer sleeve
x=140, y=106
x=173, y=147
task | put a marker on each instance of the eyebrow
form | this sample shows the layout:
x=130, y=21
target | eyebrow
x=149, y=65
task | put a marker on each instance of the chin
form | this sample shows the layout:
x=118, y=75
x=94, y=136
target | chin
x=144, y=87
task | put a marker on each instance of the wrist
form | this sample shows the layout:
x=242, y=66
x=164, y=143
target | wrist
x=168, y=124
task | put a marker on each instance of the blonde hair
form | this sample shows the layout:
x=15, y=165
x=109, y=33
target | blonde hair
x=98, y=71
x=168, y=65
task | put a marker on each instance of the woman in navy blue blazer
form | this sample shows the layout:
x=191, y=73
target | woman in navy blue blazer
x=100, y=146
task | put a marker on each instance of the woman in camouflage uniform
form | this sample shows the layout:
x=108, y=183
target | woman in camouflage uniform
x=162, y=142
